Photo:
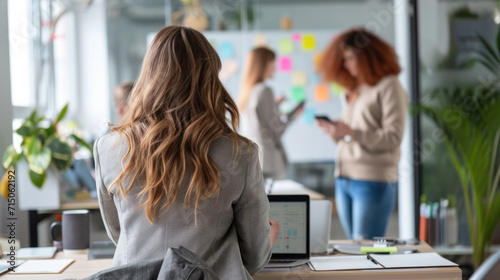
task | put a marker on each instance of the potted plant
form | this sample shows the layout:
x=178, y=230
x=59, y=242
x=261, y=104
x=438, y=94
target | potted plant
x=469, y=122
x=42, y=153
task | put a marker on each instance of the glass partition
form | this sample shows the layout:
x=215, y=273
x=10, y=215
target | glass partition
x=449, y=38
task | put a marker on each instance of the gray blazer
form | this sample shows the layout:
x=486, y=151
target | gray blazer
x=232, y=234
x=265, y=127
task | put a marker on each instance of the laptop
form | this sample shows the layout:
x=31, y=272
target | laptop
x=321, y=219
x=292, y=245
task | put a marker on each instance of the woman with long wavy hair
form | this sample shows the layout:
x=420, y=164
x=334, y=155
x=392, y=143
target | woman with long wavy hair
x=175, y=173
x=370, y=131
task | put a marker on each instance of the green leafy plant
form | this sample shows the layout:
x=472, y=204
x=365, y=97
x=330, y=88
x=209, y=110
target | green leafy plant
x=468, y=119
x=491, y=57
x=41, y=147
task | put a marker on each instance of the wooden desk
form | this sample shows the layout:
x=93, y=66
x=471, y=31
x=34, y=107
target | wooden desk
x=83, y=268
x=71, y=204
x=304, y=272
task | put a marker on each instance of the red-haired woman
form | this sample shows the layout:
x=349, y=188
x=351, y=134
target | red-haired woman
x=369, y=133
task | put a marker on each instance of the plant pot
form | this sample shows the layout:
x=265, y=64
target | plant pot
x=31, y=197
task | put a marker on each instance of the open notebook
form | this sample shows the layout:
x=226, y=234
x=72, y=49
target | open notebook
x=53, y=266
x=379, y=261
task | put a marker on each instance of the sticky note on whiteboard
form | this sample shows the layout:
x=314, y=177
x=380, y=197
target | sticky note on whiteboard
x=226, y=50
x=314, y=79
x=299, y=78
x=317, y=59
x=286, y=46
x=285, y=64
x=309, y=115
x=260, y=40
x=308, y=42
x=321, y=93
x=298, y=94
x=296, y=37
x=337, y=89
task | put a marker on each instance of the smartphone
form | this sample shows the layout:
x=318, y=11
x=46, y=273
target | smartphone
x=325, y=118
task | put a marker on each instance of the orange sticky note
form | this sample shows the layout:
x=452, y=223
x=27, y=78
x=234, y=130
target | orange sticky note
x=321, y=93
x=317, y=59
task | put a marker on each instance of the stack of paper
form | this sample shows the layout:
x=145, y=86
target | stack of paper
x=342, y=263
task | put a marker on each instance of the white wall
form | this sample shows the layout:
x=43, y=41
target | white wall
x=375, y=15
x=92, y=57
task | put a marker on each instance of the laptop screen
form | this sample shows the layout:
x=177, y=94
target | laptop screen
x=292, y=214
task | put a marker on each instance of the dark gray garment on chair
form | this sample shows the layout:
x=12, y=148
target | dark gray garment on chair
x=178, y=264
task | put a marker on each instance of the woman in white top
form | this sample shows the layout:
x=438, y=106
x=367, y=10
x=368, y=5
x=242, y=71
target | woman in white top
x=264, y=123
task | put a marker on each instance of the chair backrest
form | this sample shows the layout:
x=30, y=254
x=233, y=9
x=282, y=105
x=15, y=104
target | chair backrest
x=490, y=269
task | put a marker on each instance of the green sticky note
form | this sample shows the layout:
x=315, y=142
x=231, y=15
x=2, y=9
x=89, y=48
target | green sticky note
x=336, y=89
x=298, y=94
x=286, y=46
x=367, y=249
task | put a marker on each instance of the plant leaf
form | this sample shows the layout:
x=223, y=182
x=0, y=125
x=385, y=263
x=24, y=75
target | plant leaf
x=33, y=146
x=82, y=142
x=37, y=179
x=10, y=157
x=49, y=131
x=498, y=37
x=32, y=117
x=62, y=154
x=487, y=65
x=41, y=161
x=488, y=47
x=62, y=113
x=27, y=129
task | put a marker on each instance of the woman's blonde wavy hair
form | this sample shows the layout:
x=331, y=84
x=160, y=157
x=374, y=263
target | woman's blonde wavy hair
x=255, y=69
x=177, y=108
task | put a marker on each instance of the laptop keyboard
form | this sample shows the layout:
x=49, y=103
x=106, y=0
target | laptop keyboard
x=282, y=261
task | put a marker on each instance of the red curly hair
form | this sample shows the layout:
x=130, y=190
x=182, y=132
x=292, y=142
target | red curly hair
x=376, y=59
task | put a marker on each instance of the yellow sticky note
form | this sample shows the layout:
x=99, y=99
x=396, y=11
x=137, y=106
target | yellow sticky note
x=286, y=46
x=308, y=42
x=299, y=78
x=260, y=40
x=321, y=93
x=317, y=59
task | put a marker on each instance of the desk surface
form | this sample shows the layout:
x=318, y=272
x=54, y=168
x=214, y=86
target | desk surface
x=83, y=268
x=71, y=204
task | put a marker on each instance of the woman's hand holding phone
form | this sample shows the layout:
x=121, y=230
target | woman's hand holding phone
x=336, y=129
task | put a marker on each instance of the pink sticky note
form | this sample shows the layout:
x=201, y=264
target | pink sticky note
x=285, y=64
x=296, y=37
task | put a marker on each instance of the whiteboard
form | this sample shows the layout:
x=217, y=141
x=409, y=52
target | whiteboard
x=303, y=140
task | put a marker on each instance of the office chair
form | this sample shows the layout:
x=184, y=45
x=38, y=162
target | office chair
x=490, y=269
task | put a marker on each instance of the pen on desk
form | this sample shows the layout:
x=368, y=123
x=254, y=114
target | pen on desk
x=372, y=259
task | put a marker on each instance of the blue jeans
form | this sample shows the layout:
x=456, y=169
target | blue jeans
x=364, y=207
